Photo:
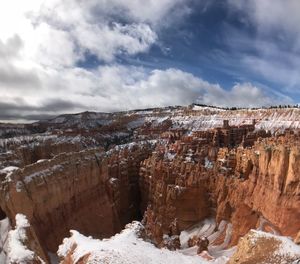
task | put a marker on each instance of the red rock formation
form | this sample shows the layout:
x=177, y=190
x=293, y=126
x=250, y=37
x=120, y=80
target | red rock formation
x=236, y=181
x=228, y=172
x=94, y=192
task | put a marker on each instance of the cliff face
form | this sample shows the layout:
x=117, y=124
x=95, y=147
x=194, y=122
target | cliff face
x=240, y=175
x=186, y=180
x=92, y=191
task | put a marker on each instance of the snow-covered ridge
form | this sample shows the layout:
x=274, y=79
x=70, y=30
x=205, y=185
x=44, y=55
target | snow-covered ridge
x=262, y=247
x=286, y=247
x=125, y=248
x=268, y=119
x=4, y=231
x=16, y=249
x=190, y=118
x=128, y=247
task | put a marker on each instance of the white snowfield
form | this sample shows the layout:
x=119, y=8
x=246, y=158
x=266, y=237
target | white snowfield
x=127, y=247
x=190, y=118
x=207, y=228
x=124, y=248
x=202, y=118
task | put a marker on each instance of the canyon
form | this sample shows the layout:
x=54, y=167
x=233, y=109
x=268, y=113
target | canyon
x=195, y=184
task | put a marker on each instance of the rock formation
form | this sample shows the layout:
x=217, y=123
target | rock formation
x=179, y=166
x=235, y=181
x=260, y=247
x=92, y=191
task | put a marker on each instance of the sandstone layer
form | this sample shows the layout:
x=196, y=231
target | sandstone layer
x=179, y=167
x=186, y=180
x=92, y=191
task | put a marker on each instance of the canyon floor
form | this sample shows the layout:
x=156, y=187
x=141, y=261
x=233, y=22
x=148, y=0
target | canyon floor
x=191, y=184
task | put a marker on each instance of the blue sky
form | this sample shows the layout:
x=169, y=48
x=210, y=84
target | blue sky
x=109, y=55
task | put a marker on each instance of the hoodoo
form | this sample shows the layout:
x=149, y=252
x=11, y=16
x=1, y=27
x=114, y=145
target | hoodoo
x=194, y=190
x=199, y=190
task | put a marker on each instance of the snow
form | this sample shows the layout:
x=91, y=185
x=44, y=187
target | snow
x=8, y=171
x=204, y=228
x=17, y=251
x=200, y=108
x=208, y=164
x=207, y=228
x=131, y=145
x=4, y=229
x=188, y=159
x=206, y=118
x=113, y=180
x=59, y=120
x=41, y=160
x=169, y=156
x=125, y=248
x=39, y=174
x=262, y=222
x=286, y=248
x=43, y=173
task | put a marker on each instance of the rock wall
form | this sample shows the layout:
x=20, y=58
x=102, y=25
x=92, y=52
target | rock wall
x=227, y=172
x=189, y=180
x=92, y=191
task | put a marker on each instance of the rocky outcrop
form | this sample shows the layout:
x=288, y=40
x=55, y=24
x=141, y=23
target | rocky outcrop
x=74, y=177
x=260, y=247
x=186, y=180
x=92, y=191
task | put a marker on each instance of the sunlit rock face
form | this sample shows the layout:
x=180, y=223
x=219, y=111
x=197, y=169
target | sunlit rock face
x=186, y=181
x=91, y=191
x=171, y=168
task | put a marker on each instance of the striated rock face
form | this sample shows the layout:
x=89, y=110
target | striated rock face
x=74, y=175
x=174, y=204
x=91, y=191
x=185, y=180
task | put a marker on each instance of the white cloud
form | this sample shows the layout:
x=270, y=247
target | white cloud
x=155, y=12
x=277, y=40
x=242, y=95
x=58, y=33
x=273, y=15
x=42, y=41
x=114, y=88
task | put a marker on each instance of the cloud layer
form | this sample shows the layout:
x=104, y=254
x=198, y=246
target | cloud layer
x=276, y=43
x=114, y=88
x=46, y=41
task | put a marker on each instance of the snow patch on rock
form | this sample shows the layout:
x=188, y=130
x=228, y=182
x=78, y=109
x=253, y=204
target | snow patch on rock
x=17, y=250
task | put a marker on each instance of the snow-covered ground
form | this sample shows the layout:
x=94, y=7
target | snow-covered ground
x=208, y=228
x=286, y=248
x=125, y=248
x=4, y=230
x=13, y=247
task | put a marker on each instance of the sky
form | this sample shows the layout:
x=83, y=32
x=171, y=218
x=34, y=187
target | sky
x=68, y=56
